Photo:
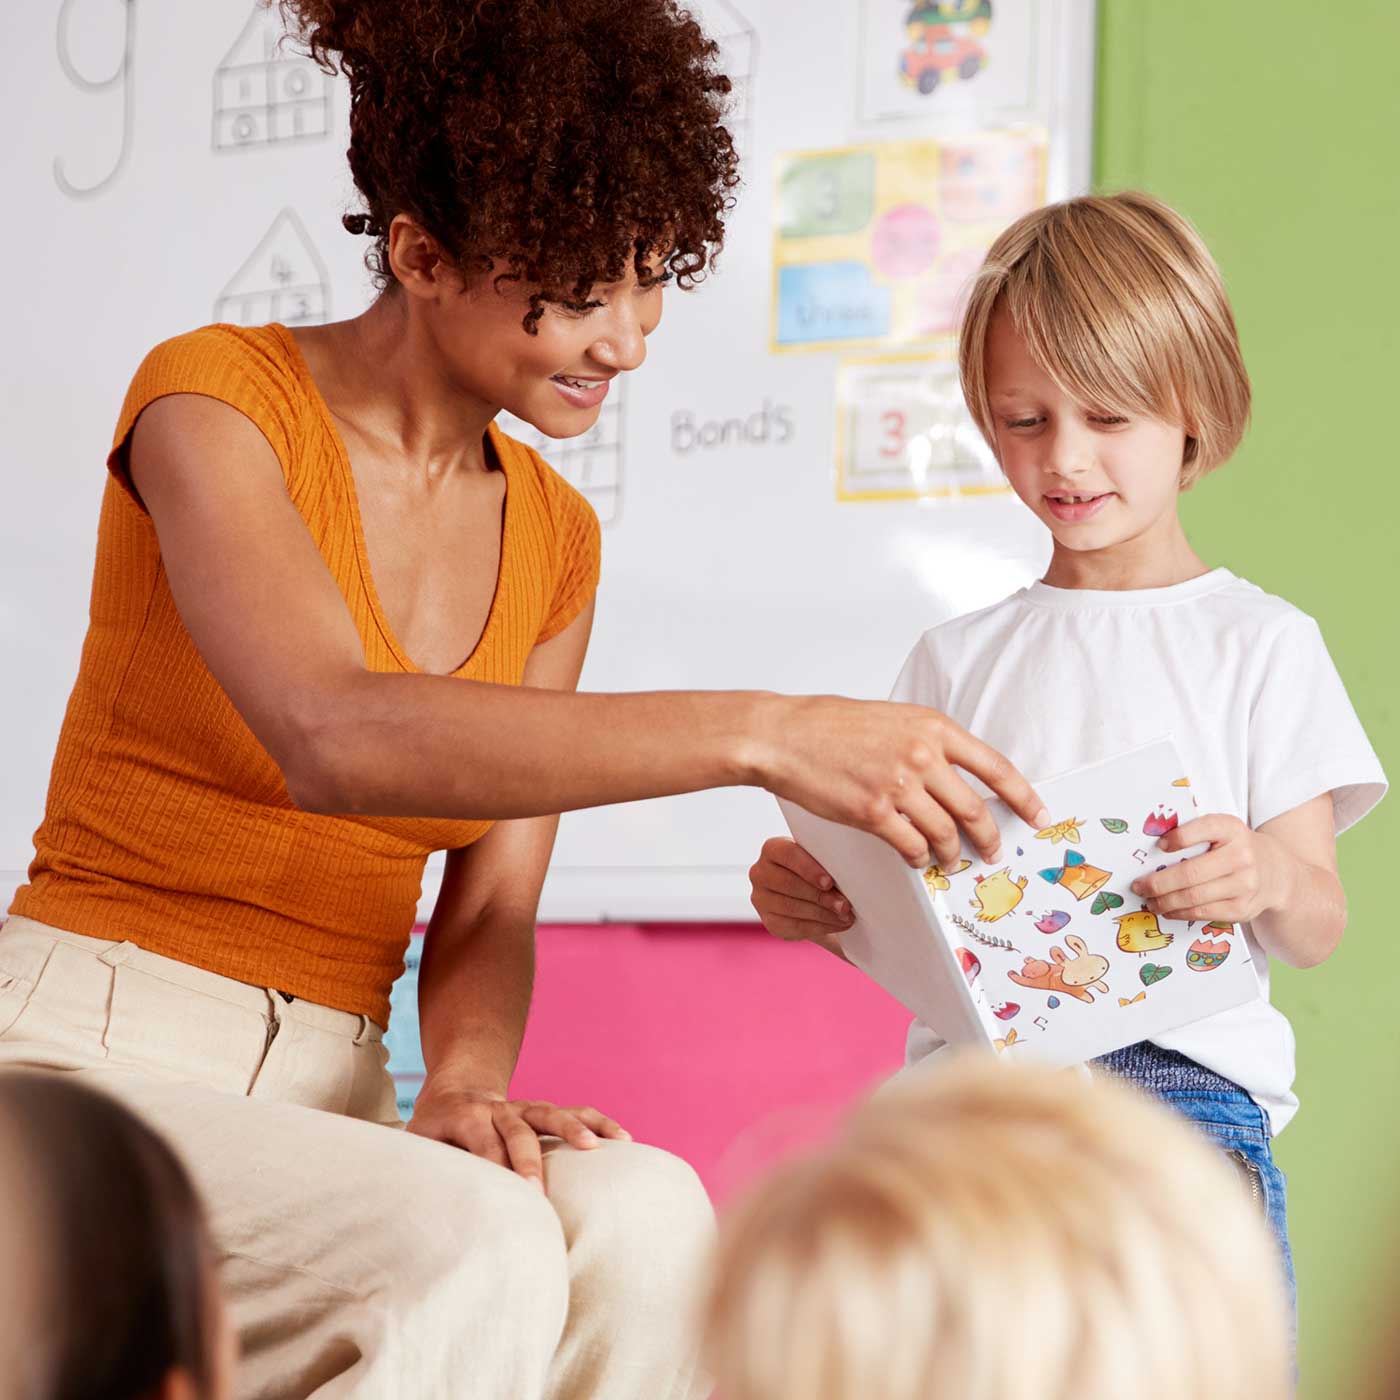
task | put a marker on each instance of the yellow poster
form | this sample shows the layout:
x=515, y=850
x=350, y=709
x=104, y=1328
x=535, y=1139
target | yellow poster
x=875, y=246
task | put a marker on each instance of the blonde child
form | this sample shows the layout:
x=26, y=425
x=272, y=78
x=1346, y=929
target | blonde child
x=1100, y=360
x=1000, y=1233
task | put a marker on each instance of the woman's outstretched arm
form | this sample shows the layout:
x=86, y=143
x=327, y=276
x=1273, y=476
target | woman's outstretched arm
x=272, y=626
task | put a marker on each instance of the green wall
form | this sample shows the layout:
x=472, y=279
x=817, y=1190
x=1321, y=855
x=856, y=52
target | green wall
x=1276, y=129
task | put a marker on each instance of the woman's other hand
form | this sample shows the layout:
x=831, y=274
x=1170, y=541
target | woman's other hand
x=506, y=1131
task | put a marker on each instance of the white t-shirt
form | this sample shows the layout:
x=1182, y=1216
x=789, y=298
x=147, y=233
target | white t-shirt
x=1057, y=678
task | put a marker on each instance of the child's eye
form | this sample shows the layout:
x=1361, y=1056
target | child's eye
x=1108, y=420
x=1023, y=422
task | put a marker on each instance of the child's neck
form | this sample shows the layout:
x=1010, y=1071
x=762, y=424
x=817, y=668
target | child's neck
x=1157, y=558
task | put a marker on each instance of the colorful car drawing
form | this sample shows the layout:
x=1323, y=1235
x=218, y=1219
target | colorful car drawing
x=942, y=42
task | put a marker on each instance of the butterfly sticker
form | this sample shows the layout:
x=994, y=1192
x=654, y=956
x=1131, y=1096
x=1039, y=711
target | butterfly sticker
x=936, y=878
x=1010, y=1039
x=1128, y=1001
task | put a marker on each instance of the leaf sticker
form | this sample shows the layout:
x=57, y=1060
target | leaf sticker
x=1106, y=901
x=1153, y=972
x=1114, y=824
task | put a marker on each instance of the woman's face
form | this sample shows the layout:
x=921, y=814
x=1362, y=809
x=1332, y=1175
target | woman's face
x=557, y=378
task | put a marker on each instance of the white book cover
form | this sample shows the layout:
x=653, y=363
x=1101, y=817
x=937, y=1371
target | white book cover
x=1047, y=954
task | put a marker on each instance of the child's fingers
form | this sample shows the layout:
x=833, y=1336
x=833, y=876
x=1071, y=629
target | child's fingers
x=1213, y=900
x=805, y=931
x=800, y=862
x=1186, y=874
x=784, y=907
x=1214, y=827
x=780, y=880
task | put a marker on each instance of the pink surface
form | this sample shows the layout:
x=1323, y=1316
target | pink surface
x=719, y=1043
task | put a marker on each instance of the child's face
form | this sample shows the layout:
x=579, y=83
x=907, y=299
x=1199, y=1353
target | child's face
x=1095, y=478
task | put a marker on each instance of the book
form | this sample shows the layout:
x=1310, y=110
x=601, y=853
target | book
x=1047, y=954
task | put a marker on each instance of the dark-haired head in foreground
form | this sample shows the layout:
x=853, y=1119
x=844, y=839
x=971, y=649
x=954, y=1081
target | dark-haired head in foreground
x=106, y=1260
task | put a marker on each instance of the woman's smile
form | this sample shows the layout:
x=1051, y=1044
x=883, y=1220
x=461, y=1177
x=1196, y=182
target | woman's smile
x=580, y=391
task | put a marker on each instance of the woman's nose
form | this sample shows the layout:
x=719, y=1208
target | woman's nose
x=623, y=346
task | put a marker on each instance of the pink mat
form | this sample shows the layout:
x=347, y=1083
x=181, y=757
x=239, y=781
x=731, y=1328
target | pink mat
x=719, y=1043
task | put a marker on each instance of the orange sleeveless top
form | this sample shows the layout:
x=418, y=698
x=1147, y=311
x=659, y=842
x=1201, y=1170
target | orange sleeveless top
x=167, y=823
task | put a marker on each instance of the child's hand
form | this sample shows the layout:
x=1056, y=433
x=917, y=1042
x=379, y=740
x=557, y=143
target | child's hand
x=1233, y=882
x=796, y=899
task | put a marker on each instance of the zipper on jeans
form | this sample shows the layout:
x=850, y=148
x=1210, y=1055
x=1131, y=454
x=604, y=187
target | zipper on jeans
x=1251, y=1174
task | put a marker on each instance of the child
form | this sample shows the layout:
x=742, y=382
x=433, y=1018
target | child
x=107, y=1274
x=1000, y=1233
x=1099, y=358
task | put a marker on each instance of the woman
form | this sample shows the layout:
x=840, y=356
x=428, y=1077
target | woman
x=107, y=1282
x=303, y=536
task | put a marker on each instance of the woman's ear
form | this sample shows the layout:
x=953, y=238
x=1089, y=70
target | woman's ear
x=417, y=260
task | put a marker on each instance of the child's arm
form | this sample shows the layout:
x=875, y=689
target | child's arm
x=1281, y=880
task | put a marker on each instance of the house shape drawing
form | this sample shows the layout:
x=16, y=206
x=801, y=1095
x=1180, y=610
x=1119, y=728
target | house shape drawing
x=283, y=279
x=592, y=463
x=265, y=93
x=737, y=38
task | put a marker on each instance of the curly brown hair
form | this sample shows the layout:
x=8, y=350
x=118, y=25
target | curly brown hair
x=557, y=140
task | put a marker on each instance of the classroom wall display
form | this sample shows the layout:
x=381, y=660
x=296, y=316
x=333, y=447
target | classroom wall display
x=183, y=163
x=874, y=245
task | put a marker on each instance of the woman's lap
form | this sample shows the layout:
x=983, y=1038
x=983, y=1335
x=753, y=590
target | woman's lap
x=359, y=1258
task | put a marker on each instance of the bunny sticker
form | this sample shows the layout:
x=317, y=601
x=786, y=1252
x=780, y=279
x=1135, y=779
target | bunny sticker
x=1075, y=976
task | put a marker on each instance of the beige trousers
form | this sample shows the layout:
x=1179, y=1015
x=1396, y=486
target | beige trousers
x=359, y=1260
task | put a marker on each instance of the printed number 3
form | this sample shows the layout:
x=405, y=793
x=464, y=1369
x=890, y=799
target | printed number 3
x=892, y=424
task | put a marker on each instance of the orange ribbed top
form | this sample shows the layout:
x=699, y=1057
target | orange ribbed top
x=167, y=823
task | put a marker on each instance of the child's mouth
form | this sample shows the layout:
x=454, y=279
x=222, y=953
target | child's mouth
x=1073, y=509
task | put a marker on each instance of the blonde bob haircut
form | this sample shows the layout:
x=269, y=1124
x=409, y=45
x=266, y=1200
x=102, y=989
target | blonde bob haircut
x=988, y=1231
x=1121, y=304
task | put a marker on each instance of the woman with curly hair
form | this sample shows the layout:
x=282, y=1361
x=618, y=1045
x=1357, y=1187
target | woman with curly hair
x=337, y=622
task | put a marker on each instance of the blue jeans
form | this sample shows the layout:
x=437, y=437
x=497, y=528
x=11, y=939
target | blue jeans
x=1227, y=1116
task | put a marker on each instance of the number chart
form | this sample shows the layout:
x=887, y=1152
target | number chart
x=904, y=433
x=874, y=245
x=591, y=462
x=283, y=279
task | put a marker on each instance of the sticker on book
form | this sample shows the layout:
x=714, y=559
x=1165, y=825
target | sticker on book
x=997, y=894
x=1077, y=876
x=1078, y=976
x=1140, y=932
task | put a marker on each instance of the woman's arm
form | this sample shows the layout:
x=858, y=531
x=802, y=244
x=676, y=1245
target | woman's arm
x=477, y=972
x=270, y=622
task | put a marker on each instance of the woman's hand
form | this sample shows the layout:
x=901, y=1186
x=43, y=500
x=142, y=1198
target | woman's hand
x=1242, y=876
x=506, y=1131
x=892, y=770
x=795, y=897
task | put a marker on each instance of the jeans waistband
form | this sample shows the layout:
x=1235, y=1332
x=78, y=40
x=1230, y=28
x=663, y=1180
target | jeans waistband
x=1162, y=1071
x=267, y=1001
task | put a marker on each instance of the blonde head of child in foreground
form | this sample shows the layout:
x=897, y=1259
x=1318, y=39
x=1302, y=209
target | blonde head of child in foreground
x=993, y=1232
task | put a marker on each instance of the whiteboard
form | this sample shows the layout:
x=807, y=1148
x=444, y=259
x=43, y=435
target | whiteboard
x=174, y=167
